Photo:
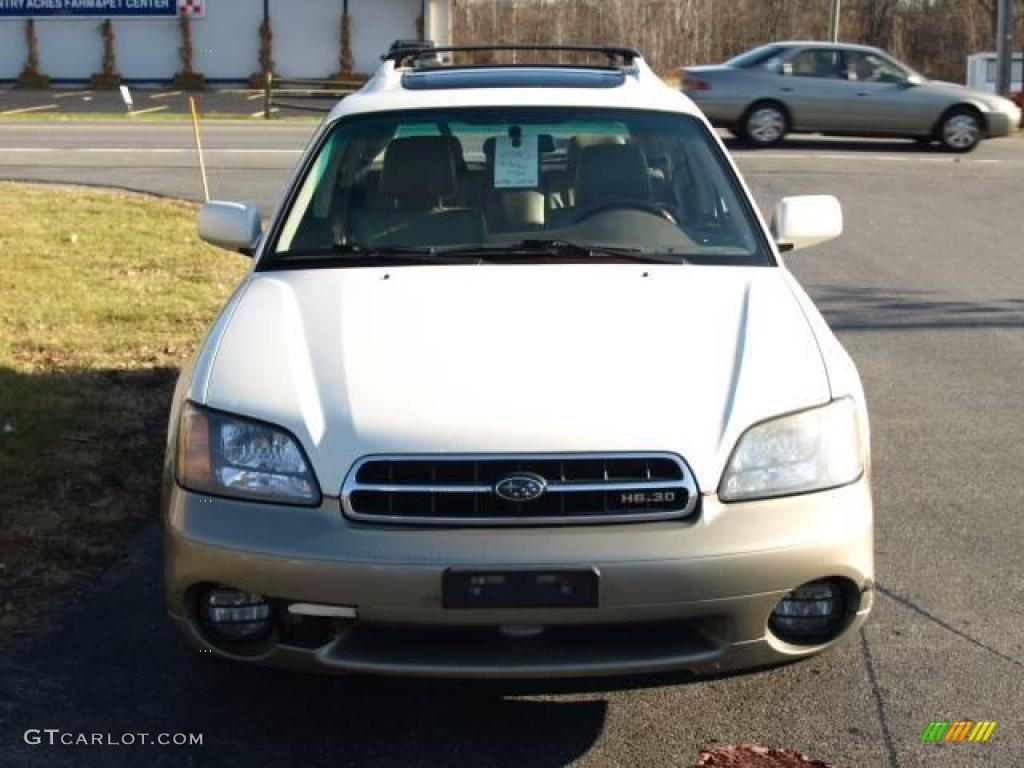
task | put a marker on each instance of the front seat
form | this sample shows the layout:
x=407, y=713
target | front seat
x=419, y=190
x=610, y=172
x=419, y=173
x=572, y=162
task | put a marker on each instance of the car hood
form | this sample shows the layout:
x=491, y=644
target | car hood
x=518, y=358
x=958, y=91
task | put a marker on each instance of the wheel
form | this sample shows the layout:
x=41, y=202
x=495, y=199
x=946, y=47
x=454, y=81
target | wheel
x=960, y=130
x=765, y=124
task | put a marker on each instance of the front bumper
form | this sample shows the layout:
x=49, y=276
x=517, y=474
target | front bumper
x=1002, y=123
x=673, y=595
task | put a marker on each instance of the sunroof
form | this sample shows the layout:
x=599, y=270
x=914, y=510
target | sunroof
x=512, y=77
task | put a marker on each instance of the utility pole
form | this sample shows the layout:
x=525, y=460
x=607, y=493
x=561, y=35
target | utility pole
x=1004, y=47
x=833, y=22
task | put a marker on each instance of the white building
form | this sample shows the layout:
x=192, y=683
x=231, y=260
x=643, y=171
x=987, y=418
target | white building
x=225, y=36
x=982, y=70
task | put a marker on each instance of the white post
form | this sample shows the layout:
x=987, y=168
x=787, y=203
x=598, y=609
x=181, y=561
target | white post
x=833, y=22
x=126, y=96
x=437, y=25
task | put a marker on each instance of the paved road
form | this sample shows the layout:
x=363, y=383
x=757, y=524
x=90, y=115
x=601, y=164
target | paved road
x=926, y=289
x=251, y=160
x=244, y=161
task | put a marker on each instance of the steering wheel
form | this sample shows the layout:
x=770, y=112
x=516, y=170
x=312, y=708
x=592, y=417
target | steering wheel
x=635, y=205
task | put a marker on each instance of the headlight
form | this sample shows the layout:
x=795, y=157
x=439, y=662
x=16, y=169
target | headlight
x=808, y=451
x=227, y=455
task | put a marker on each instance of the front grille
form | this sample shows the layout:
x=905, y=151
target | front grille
x=462, y=489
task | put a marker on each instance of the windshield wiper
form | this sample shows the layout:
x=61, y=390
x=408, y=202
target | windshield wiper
x=389, y=253
x=442, y=254
x=553, y=247
x=569, y=248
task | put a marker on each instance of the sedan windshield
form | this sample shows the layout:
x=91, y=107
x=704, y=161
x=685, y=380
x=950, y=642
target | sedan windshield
x=481, y=185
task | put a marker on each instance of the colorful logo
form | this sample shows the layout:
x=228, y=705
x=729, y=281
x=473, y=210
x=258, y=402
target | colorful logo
x=958, y=730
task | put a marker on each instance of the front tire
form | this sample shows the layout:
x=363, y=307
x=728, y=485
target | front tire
x=960, y=130
x=765, y=124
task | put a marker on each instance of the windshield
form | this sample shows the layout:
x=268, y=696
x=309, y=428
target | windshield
x=572, y=184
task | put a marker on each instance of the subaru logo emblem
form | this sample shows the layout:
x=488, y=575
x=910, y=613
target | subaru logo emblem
x=525, y=486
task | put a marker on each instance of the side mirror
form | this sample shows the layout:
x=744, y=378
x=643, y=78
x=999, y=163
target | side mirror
x=800, y=222
x=234, y=226
x=913, y=80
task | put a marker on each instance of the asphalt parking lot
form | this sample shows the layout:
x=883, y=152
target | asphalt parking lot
x=162, y=101
x=925, y=289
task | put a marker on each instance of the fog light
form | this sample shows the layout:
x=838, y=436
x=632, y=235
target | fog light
x=232, y=613
x=811, y=613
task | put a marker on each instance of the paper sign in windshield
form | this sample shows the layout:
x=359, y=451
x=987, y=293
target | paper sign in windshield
x=516, y=167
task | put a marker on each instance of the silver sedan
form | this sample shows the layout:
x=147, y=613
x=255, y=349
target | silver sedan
x=808, y=87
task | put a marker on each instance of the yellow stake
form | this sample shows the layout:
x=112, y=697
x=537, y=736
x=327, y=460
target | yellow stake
x=199, y=147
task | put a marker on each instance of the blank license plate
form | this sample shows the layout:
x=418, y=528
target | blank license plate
x=520, y=589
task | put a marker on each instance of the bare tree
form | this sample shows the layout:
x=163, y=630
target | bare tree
x=934, y=36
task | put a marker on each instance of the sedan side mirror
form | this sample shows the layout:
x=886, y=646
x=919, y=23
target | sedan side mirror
x=913, y=80
x=234, y=226
x=800, y=222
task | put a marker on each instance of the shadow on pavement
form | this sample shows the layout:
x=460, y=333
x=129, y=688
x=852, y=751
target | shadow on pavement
x=110, y=662
x=828, y=144
x=870, y=309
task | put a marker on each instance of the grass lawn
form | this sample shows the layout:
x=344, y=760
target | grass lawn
x=102, y=297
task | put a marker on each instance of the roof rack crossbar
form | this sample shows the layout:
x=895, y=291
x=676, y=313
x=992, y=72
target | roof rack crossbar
x=401, y=55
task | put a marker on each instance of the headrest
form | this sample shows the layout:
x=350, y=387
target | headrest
x=581, y=141
x=420, y=172
x=612, y=172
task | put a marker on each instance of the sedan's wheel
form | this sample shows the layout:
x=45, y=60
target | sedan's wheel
x=765, y=125
x=960, y=131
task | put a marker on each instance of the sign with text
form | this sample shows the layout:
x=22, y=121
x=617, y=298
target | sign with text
x=516, y=162
x=96, y=8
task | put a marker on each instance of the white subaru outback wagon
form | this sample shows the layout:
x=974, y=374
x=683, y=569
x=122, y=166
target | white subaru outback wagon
x=518, y=386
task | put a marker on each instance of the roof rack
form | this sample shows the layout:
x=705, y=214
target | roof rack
x=399, y=45
x=402, y=55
